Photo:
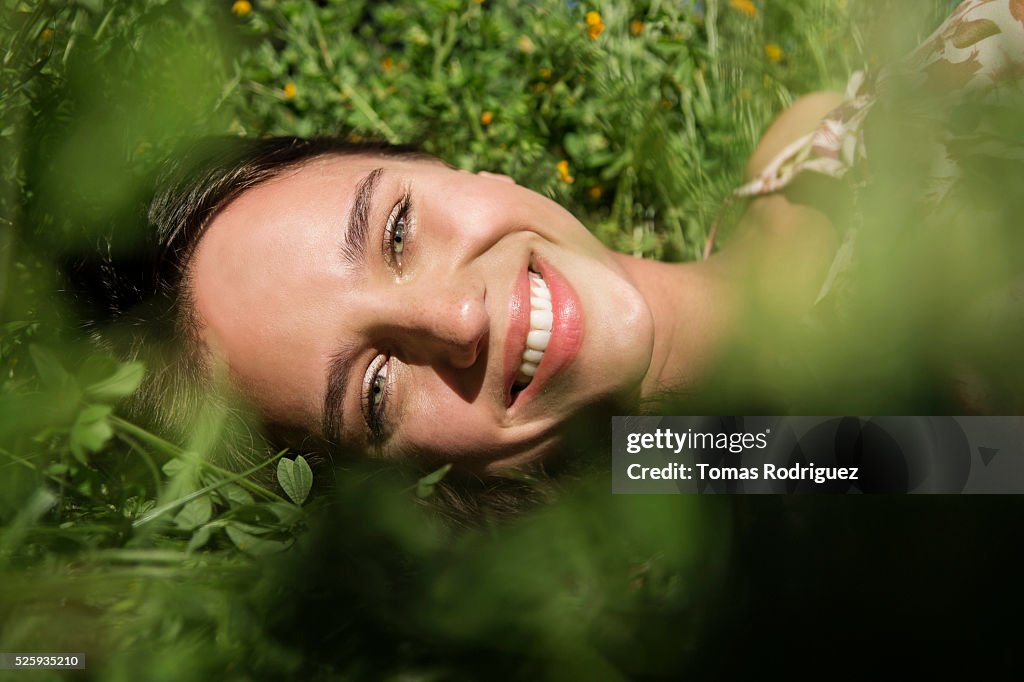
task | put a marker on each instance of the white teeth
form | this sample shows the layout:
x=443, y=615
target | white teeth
x=539, y=303
x=541, y=323
x=538, y=340
x=534, y=356
x=541, y=319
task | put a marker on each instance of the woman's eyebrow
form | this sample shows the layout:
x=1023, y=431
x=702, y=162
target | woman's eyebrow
x=354, y=251
x=338, y=370
x=354, y=246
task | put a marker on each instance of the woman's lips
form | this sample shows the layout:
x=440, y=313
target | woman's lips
x=566, y=330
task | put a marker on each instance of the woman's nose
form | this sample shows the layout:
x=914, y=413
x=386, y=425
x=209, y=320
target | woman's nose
x=447, y=325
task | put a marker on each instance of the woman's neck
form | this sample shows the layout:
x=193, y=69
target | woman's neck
x=693, y=310
x=774, y=264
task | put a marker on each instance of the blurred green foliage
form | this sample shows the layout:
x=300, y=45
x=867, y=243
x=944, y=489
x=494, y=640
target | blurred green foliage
x=158, y=563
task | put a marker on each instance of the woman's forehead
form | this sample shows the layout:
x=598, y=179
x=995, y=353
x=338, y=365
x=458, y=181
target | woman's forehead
x=267, y=269
x=297, y=205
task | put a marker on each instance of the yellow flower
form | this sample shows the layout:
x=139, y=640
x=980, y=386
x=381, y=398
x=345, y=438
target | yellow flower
x=545, y=72
x=486, y=118
x=595, y=192
x=563, y=172
x=636, y=27
x=745, y=6
x=595, y=25
x=46, y=35
x=387, y=64
x=290, y=90
x=241, y=8
x=773, y=52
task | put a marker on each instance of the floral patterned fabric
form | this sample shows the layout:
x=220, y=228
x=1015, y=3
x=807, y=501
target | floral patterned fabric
x=976, y=55
x=979, y=49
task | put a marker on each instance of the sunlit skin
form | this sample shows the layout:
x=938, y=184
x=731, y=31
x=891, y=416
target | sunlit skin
x=281, y=301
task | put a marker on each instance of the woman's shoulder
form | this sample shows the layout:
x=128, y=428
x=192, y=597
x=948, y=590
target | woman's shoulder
x=800, y=118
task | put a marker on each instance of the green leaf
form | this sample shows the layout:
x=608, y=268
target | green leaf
x=256, y=546
x=425, y=486
x=51, y=371
x=261, y=515
x=287, y=514
x=295, y=477
x=234, y=495
x=90, y=432
x=123, y=382
x=173, y=467
x=96, y=368
x=195, y=513
x=199, y=539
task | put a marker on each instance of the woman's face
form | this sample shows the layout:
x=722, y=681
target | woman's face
x=399, y=306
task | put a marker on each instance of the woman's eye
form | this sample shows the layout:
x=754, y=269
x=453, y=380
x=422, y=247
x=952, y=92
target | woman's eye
x=396, y=232
x=380, y=381
x=375, y=397
x=398, y=237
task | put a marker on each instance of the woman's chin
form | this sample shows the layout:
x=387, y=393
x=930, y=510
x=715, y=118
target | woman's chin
x=579, y=439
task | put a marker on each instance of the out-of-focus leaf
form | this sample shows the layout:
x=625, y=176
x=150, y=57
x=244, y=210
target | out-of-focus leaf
x=195, y=513
x=123, y=382
x=234, y=495
x=199, y=539
x=173, y=467
x=90, y=432
x=287, y=514
x=425, y=486
x=295, y=477
x=261, y=515
x=29, y=513
x=51, y=371
x=255, y=546
x=266, y=517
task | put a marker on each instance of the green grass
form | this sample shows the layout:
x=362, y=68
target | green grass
x=161, y=565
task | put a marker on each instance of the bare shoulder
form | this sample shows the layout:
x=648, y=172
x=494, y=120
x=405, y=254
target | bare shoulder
x=803, y=212
x=787, y=240
x=802, y=117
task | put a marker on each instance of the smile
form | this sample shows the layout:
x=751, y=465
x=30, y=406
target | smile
x=545, y=331
x=539, y=336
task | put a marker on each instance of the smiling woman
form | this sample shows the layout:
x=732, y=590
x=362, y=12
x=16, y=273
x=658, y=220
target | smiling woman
x=387, y=303
x=371, y=299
